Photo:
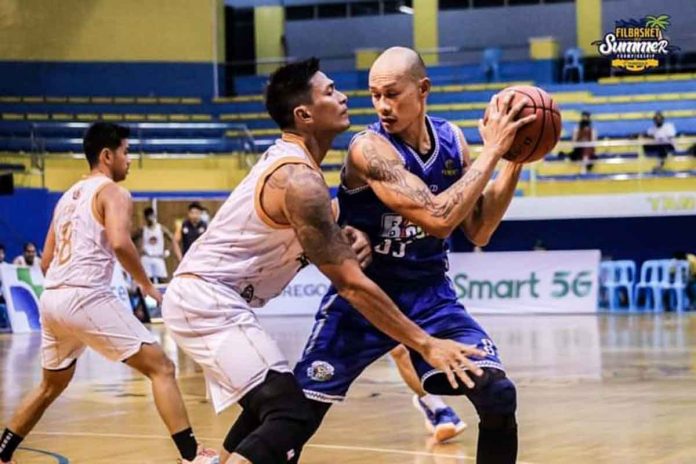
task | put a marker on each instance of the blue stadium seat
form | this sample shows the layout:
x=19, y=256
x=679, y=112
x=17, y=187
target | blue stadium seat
x=572, y=61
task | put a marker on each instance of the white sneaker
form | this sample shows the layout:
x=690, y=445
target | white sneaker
x=204, y=456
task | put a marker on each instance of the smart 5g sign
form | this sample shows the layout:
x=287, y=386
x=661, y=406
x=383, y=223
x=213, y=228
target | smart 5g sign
x=514, y=282
x=538, y=281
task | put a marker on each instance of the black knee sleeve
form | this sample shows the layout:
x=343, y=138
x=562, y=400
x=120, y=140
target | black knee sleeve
x=493, y=393
x=285, y=420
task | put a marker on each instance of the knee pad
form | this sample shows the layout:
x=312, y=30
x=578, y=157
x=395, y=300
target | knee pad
x=495, y=399
x=493, y=392
x=286, y=420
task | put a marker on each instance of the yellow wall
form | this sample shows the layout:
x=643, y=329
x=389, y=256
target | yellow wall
x=588, y=19
x=269, y=28
x=214, y=173
x=425, y=29
x=111, y=30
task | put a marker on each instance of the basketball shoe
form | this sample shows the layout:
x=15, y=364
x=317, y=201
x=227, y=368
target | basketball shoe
x=443, y=423
x=204, y=456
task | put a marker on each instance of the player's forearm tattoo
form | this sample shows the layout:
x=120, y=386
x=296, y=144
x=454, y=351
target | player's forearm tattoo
x=309, y=208
x=393, y=174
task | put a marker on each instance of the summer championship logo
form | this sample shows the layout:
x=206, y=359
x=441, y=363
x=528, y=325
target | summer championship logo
x=637, y=45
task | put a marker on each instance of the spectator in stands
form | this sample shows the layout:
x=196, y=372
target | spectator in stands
x=663, y=134
x=192, y=228
x=2, y=253
x=584, y=132
x=29, y=257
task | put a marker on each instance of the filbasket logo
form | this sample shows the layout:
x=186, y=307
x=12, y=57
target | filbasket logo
x=637, y=45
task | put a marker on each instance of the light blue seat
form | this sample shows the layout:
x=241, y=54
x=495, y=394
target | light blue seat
x=617, y=277
x=572, y=60
x=654, y=277
x=677, y=273
x=490, y=64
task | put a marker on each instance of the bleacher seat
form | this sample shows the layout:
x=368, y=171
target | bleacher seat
x=572, y=61
x=618, y=278
x=654, y=279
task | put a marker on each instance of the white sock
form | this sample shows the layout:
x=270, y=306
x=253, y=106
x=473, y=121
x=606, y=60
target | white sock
x=433, y=402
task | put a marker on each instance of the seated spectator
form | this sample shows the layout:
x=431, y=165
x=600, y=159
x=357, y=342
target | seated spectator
x=29, y=257
x=584, y=133
x=663, y=134
x=691, y=283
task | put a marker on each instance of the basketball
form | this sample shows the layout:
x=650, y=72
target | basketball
x=536, y=139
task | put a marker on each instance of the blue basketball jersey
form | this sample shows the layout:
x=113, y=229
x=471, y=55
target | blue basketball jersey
x=402, y=250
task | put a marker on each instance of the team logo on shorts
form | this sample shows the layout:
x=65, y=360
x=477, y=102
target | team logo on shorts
x=320, y=371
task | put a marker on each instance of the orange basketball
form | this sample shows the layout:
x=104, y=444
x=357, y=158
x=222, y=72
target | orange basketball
x=536, y=139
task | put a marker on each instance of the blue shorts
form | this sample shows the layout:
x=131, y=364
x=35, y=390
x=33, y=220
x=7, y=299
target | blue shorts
x=343, y=343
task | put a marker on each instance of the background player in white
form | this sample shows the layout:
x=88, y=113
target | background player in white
x=153, y=252
x=89, y=231
x=275, y=222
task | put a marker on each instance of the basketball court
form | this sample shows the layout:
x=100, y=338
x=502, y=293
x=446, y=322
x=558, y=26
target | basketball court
x=602, y=389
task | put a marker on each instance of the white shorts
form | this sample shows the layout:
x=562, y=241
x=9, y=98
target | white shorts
x=74, y=318
x=216, y=327
x=155, y=268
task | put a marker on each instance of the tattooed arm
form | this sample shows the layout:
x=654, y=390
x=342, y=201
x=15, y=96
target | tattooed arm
x=377, y=164
x=490, y=207
x=307, y=207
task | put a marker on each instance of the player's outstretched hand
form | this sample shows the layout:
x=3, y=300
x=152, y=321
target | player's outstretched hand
x=151, y=291
x=360, y=243
x=499, y=127
x=452, y=358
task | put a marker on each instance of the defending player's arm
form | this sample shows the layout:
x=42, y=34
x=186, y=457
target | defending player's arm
x=175, y=244
x=49, y=249
x=378, y=165
x=117, y=208
x=490, y=207
x=307, y=208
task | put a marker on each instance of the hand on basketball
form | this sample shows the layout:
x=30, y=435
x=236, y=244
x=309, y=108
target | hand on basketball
x=498, y=126
x=451, y=358
x=360, y=243
x=151, y=291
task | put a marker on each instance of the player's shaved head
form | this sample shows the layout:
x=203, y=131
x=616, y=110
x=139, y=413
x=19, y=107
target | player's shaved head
x=399, y=62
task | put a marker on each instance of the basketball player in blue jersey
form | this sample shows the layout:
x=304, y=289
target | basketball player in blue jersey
x=409, y=182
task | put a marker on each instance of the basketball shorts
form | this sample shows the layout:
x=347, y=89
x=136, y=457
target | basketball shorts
x=75, y=318
x=155, y=267
x=343, y=343
x=216, y=327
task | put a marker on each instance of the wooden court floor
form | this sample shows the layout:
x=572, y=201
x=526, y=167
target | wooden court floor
x=592, y=389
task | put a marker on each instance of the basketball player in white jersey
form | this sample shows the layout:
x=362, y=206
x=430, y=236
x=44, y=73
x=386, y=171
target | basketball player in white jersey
x=89, y=231
x=276, y=221
x=153, y=251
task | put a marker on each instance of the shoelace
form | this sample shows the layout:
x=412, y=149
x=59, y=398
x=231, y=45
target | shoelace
x=207, y=452
x=446, y=415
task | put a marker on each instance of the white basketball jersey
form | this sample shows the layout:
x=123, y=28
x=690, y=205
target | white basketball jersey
x=245, y=249
x=153, y=241
x=83, y=256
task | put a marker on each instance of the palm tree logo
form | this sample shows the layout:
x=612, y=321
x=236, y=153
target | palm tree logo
x=658, y=22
